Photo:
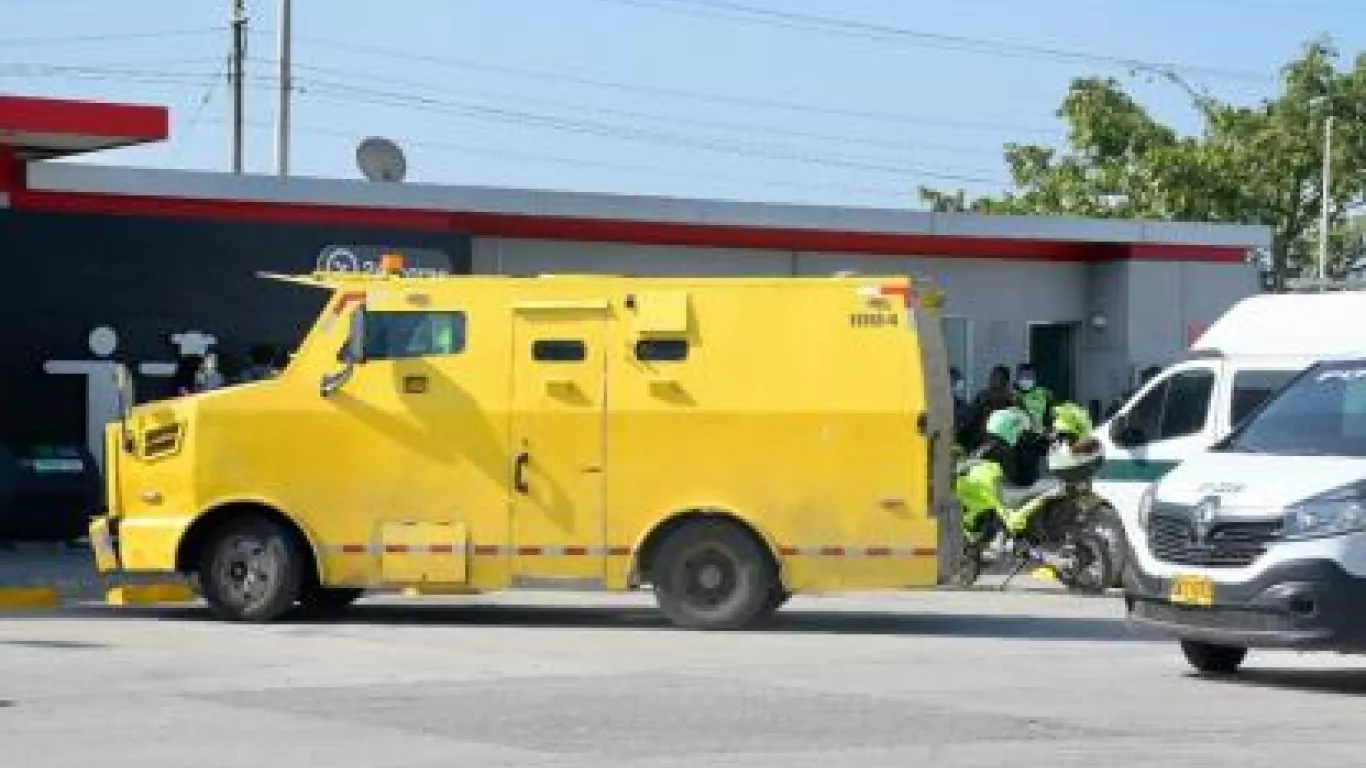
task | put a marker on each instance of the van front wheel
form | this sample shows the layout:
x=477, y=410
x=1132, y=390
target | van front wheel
x=712, y=575
x=252, y=570
x=1211, y=659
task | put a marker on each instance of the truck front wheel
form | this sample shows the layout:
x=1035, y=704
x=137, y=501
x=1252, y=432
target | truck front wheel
x=712, y=575
x=251, y=569
x=1211, y=659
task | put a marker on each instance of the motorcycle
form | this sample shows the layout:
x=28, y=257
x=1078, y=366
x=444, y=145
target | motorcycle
x=1058, y=523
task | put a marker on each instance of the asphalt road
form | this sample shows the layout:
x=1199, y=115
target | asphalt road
x=939, y=679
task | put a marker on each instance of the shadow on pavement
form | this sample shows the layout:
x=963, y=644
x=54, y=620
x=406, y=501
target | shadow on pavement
x=1339, y=682
x=796, y=622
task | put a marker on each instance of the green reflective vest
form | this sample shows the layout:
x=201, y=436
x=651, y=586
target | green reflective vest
x=1035, y=403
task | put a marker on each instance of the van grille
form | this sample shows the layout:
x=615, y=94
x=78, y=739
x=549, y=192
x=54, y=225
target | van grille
x=161, y=440
x=1172, y=538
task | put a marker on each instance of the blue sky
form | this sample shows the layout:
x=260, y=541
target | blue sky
x=676, y=97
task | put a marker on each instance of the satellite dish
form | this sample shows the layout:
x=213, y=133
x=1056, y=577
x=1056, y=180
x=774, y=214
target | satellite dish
x=381, y=160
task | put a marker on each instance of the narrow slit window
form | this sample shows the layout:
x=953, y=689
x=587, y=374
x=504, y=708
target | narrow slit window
x=559, y=351
x=662, y=350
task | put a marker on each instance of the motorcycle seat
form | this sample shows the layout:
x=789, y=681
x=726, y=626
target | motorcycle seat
x=1016, y=496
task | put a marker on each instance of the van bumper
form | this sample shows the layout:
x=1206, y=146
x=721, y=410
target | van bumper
x=1310, y=604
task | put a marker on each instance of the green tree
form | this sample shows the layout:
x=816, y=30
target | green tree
x=1259, y=164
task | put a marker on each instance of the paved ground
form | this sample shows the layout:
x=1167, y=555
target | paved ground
x=960, y=679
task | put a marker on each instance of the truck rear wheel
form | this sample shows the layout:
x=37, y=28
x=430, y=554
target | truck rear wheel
x=251, y=569
x=1211, y=659
x=712, y=575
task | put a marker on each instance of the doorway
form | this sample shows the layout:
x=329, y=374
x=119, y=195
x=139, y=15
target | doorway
x=1053, y=350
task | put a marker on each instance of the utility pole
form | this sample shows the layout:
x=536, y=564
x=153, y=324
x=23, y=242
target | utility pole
x=286, y=88
x=1327, y=189
x=236, y=72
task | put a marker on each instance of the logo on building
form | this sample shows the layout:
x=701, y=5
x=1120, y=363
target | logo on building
x=366, y=259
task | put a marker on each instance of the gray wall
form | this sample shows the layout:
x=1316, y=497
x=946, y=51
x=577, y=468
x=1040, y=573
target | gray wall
x=1148, y=306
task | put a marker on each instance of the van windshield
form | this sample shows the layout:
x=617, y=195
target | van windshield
x=1322, y=413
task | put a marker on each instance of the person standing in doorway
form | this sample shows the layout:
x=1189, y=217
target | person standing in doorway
x=997, y=396
x=958, y=388
x=1037, y=401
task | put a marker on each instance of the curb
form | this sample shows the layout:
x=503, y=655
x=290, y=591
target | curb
x=29, y=597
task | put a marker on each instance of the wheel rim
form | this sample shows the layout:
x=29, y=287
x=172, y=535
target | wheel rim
x=710, y=577
x=246, y=570
x=1088, y=570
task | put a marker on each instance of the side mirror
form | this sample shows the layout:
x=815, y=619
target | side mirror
x=351, y=355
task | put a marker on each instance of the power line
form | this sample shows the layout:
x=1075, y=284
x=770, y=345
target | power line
x=900, y=146
x=394, y=54
x=347, y=93
x=475, y=149
x=29, y=40
x=353, y=94
x=810, y=22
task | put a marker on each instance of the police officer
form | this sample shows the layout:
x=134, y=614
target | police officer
x=1037, y=402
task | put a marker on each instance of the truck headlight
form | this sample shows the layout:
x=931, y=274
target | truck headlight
x=1145, y=506
x=1332, y=514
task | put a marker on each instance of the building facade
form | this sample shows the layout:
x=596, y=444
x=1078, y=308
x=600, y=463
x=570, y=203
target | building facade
x=141, y=266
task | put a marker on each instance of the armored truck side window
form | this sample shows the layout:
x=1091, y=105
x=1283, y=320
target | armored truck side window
x=662, y=350
x=404, y=335
x=559, y=351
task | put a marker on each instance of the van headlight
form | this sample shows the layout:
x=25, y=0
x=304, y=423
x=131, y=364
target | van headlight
x=1333, y=514
x=1145, y=506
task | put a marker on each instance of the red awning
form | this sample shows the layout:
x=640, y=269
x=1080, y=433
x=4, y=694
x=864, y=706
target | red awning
x=40, y=129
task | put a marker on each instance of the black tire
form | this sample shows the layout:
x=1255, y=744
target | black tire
x=1212, y=659
x=1094, y=570
x=251, y=569
x=328, y=600
x=777, y=598
x=713, y=575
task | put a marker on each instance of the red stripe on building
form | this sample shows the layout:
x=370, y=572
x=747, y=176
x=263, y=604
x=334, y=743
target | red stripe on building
x=397, y=549
x=442, y=549
x=832, y=551
x=788, y=551
x=526, y=226
x=528, y=551
x=878, y=551
x=487, y=549
x=354, y=549
x=576, y=551
x=619, y=551
x=923, y=552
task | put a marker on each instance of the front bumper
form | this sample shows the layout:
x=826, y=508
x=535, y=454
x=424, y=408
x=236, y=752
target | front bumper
x=1309, y=604
x=102, y=544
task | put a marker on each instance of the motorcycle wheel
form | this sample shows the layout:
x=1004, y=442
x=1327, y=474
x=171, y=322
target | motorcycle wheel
x=967, y=566
x=1092, y=569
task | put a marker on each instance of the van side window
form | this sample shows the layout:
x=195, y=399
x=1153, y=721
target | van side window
x=1174, y=407
x=1251, y=388
x=1145, y=417
x=662, y=350
x=1187, y=404
x=404, y=335
x=558, y=351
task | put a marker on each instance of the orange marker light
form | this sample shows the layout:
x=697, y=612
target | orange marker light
x=391, y=263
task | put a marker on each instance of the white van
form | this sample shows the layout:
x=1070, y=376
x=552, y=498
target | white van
x=1244, y=357
x=1261, y=540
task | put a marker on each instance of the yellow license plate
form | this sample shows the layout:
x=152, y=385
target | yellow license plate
x=1192, y=590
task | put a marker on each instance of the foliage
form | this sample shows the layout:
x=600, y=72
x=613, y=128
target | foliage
x=1258, y=164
